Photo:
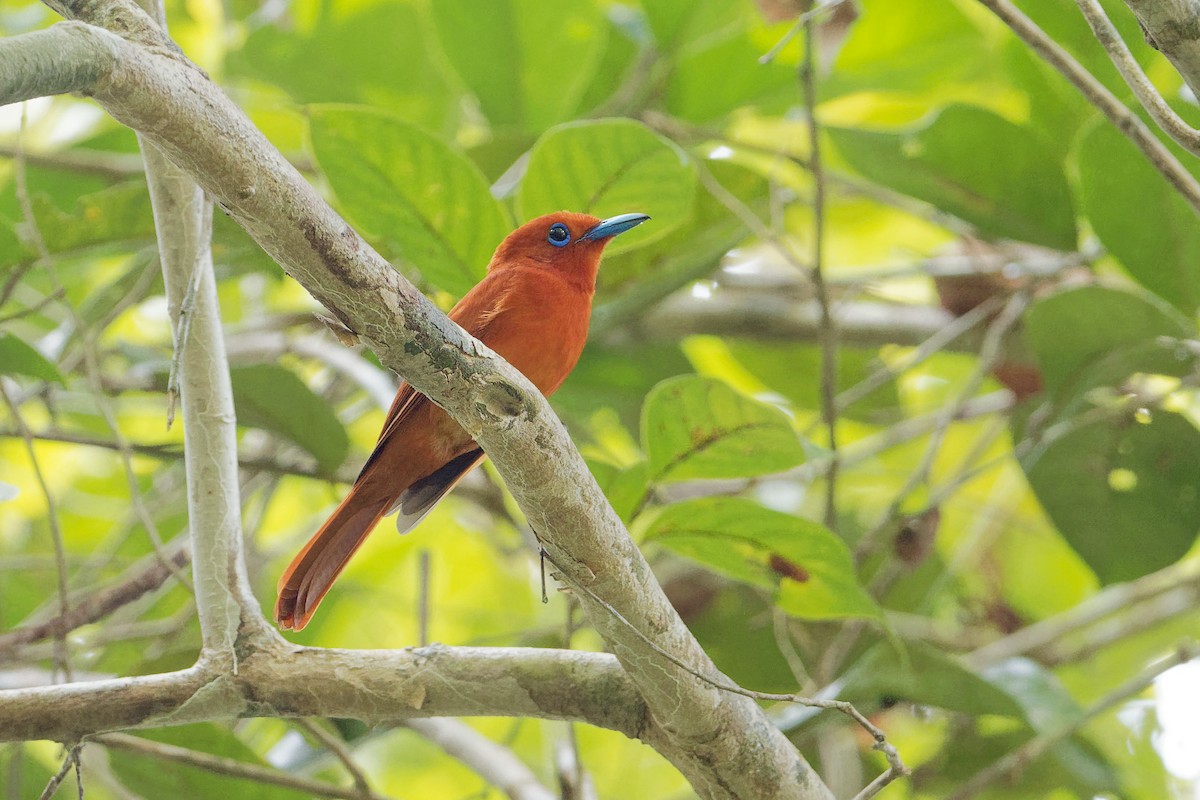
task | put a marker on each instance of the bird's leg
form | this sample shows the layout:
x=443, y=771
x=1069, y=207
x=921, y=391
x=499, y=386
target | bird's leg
x=542, y=559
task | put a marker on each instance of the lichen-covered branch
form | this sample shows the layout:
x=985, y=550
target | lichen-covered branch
x=375, y=686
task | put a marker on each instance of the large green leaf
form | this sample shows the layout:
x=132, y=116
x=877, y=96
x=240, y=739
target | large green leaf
x=377, y=55
x=927, y=676
x=271, y=397
x=18, y=358
x=529, y=63
x=978, y=166
x=694, y=427
x=1139, y=217
x=1091, y=335
x=809, y=569
x=708, y=84
x=410, y=188
x=1122, y=491
x=610, y=167
x=147, y=776
x=678, y=24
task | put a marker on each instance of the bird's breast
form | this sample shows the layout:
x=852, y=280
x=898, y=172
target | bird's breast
x=542, y=333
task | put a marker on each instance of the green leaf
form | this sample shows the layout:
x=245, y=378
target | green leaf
x=800, y=380
x=411, y=189
x=378, y=55
x=679, y=23
x=1049, y=706
x=978, y=166
x=1139, y=217
x=809, y=569
x=1092, y=335
x=117, y=215
x=927, y=676
x=606, y=168
x=18, y=358
x=528, y=65
x=694, y=427
x=271, y=397
x=706, y=85
x=147, y=777
x=1122, y=491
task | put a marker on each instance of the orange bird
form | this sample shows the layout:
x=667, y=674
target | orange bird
x=532, y=308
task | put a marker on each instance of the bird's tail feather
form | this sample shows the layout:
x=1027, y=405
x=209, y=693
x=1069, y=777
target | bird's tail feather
x=314, y=569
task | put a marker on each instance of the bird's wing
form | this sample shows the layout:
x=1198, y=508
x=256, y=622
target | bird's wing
x=475, y=313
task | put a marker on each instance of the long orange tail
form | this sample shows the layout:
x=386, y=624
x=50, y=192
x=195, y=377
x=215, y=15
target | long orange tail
x=316, y=567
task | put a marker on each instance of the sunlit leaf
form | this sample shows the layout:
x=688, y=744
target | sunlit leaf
x=606, y=168
x=410, y=188
x=694, y=427
x=271, y=397
x=809, y=569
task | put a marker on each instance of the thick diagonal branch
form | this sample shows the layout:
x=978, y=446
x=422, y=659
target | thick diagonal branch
x=720, y=741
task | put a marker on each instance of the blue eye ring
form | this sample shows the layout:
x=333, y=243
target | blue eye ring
x=559, y=235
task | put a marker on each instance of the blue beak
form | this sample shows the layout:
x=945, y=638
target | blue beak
x=613, y=226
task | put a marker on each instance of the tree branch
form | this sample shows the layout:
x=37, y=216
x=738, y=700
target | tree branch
x=495, y=764
x=1170, y=27
x=1122, y=117
x=1162, y=114
x=376, y=686
x=721, y=742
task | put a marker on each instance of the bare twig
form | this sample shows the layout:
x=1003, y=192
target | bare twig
x=1041, y=744
x=1110, y=601
x=492, y=762
x=1123, y=118
x=828, y=334
x=70, y=761
x=94, y=607
x=229, y=766
x=338, y=748
x=1163, y=115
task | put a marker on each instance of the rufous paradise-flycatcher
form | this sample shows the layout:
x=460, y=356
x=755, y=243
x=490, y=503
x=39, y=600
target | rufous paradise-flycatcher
x=532, y=308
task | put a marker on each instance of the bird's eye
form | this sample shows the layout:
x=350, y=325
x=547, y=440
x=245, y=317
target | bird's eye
x=559, y=235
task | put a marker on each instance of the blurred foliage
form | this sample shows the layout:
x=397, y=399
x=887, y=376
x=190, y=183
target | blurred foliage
x=435, y=126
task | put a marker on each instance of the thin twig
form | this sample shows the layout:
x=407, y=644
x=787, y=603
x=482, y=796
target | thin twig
x=229, y=766
x=989, y=351
x=934, y=344
x=827, y=333
x=1110, y=601
x=337, y=747
x=62, y=659
x=1163, y=115
x=70, y=761
x=803, y=22
x=493, y=762
x=423, y=598
x=94, y=607
x=1040, y=744
x=1122, y=117
x=896, y=766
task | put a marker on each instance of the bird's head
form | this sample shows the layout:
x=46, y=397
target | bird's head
x=565, y=242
